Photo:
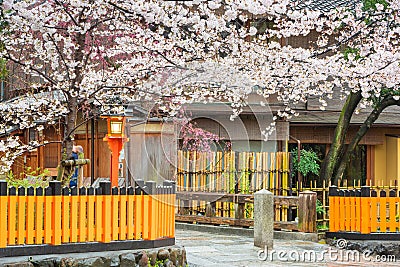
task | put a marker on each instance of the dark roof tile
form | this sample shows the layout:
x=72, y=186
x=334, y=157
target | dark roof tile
x=323, y=5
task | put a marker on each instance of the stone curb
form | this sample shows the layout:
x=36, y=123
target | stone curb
x=248, y=232
x=172, y=256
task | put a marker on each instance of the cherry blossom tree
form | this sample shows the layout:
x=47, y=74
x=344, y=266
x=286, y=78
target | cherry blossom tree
x=354, y=50
x=98, y=52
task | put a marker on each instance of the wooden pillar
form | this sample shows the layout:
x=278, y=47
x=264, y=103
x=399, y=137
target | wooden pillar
x=239, y=207
x=115, y=145
x=307, y=212
x=365, y=214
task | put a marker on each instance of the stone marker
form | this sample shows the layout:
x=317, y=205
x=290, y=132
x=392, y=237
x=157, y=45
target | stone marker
x=263, y=219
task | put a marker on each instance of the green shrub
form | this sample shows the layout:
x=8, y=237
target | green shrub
x=308, y=162
x=29, y=177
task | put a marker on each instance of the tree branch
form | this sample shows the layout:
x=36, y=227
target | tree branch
x=67, y=12
x=61, y=55
x=42, y=74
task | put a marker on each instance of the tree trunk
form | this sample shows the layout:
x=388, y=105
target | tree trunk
x=373, y=116
x=67, y=143
x=72, y=103
x=330, y=163
x=69, y=128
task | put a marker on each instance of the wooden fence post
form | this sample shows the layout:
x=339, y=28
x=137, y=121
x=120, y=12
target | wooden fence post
x=392, y=211
x=3, y=214
x=333, y=214
x=365, y=214
x=138, y=214
x=307, y=212
x=56, y=212
x=210, y=209
x=150, y=189
x=172, y=198
x=239, y=207
x=107, y=215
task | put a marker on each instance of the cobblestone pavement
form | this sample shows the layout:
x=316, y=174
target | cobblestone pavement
x=208, y=250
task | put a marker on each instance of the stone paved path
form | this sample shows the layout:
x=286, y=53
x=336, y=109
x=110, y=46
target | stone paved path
x=220, y=250
x=209, y=250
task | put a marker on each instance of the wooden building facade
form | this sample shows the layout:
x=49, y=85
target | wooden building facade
x=48, y=156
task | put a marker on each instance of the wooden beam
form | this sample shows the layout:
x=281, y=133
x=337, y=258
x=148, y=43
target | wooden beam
x=76, y=162
x=234, y=198
x=232, y=222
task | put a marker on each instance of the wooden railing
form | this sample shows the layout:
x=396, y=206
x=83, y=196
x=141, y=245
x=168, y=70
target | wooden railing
x=237, y=210
x=364, y=211
x=56, y=215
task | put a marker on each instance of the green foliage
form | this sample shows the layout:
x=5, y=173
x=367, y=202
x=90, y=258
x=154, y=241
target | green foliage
x=371, y=4
x=29, y=177
x=351, y=51
x=390, y=92
x=308, y=162
x=322, y=227
x=385, y=93
x=159, y=263
x=3, y=70
x=248, y=210
x=320, y=207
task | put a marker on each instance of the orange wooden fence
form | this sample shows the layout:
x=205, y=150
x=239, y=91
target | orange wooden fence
x=56, y=215
x=364, y=211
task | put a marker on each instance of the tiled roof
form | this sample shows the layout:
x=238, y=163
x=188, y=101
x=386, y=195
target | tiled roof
x=323, y=5
x=331, y=117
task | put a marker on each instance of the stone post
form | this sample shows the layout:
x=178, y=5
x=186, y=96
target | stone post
x=263, y=219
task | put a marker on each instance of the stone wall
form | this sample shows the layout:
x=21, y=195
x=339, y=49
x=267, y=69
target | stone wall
x=173, y=256
x=372, y=247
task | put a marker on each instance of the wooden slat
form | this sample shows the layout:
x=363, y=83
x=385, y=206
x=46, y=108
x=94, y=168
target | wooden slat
x=374, y=214
x=39, y=219
x=56, y=223
x=99, y=218
x=122, y=215
x=107, y=216
x=21, y=220
x=382, y=213
x=82, y=219
x=115, y=218
x=90, y=216
x=3, y=221
x=30, y=219
x=65, y=219
x=392, y=214
x=130, y=215
x=74, y=219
